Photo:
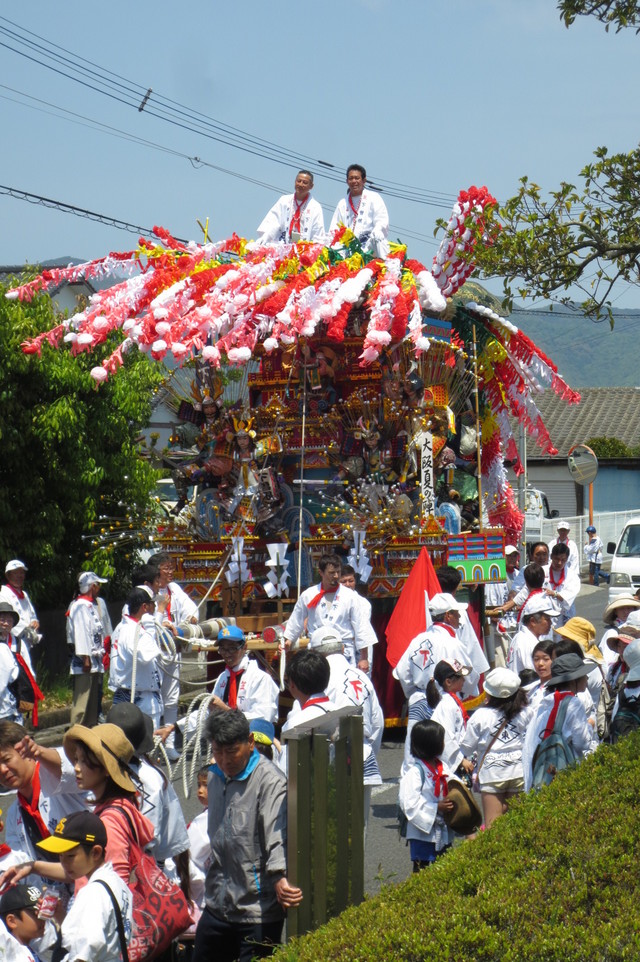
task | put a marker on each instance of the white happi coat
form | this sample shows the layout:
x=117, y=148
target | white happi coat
x=345, y=613
x=257, y=691
x=350, y=686
x=276, y=224
x=371, y=226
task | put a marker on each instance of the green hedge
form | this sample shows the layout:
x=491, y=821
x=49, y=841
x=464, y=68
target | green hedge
x=557, y=878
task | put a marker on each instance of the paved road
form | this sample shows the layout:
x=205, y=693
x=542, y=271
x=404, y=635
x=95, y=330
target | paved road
x=386, y=856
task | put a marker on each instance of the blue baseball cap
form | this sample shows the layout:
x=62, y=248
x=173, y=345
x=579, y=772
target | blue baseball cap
x=591, y=529
x=231, y=633
x=263, y=731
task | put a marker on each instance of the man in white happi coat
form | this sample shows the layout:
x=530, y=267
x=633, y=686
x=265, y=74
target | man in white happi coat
x=350, y=686
x=294, y=216
x=496, y=595
x=174, y=607
x=46, y=787
x=450, y=579
x=135, y=656
x=563, y=528
x=13, y=591
x=535, y=624
x=330, y=603
x=364, y=212
x=243, y=684
x=562, y=585
x=440, y=642
x=86, y=635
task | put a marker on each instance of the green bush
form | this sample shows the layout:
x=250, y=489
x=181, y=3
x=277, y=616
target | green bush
x=554, y=879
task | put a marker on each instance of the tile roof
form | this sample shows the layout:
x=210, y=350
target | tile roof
x=610, y=412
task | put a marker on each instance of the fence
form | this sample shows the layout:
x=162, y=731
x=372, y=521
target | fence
x=325, y=821
x=608, y=524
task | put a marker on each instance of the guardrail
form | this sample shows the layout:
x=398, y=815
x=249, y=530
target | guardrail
x=608, y=524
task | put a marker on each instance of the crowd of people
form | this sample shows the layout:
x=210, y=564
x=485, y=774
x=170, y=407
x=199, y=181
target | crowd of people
x=84, y=812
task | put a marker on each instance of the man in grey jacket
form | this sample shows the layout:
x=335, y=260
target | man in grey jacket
x=246, y=888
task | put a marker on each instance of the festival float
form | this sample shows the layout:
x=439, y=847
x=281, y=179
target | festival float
x=325, y=400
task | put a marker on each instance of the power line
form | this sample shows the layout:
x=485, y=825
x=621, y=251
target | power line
x=78, y=211
x=101, y=80
x=80, y=119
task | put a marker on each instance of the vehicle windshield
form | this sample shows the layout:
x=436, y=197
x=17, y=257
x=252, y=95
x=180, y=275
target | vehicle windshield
x=629, y=546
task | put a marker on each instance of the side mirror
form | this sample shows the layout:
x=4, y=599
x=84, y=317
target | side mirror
x=555, y=513
x=611, y=547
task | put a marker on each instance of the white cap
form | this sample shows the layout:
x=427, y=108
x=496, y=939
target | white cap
x=325, y=635
x=88, y=578
x=443, y=602
x=538, y=605
x=14, y=566
x=563, y=525
x=632, y=659
x=511, y=549
x=631, y=625
x=501, y=682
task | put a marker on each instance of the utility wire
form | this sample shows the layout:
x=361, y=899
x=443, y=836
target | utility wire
x=78, y=211
x=74, y=117
x=101, y=80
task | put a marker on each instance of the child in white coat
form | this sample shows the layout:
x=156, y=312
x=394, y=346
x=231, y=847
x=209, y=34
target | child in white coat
x=423, y=796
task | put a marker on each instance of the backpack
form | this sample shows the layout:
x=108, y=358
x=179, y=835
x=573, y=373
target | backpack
x=626, y=719
x=554, y=753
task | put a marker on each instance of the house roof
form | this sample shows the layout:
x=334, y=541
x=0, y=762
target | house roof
x=609, y=412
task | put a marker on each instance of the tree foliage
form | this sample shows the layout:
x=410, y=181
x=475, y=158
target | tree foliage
x=585, y=237
x=68, y=452
x=618, y=13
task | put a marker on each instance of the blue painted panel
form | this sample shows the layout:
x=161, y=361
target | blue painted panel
x=616, y=490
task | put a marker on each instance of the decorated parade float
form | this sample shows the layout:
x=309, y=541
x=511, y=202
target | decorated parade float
x=324, y=400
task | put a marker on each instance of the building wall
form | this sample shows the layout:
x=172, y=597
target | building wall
x=554, y=479
x=617, y=488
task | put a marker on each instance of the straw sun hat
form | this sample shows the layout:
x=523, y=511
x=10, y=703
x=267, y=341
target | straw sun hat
x=110, y=746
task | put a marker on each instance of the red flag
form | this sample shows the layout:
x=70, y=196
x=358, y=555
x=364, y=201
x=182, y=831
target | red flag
x=409, y=616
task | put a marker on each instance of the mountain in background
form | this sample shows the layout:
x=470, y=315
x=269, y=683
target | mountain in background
x=587, y=354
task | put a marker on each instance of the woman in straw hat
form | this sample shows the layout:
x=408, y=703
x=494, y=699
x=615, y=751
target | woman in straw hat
x=583, y=634
x=615, y=614
x=100, y=758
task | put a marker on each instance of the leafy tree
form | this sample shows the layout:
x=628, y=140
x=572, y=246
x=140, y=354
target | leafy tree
x=605, y=448
x=69, y=454
x=622, y=13
x=587, y=237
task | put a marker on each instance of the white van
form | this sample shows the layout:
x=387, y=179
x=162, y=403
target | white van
x=625, y=567
x=536, y=511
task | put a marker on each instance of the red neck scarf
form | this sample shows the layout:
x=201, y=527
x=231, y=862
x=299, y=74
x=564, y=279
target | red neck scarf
x=558, y=696
x=440, y=786
x=448, y=629
x=320, y=700
x=556, y=584
x=37, y=694
x=4, y=850
x=295, y=218
x=355, y=210
x=232, y=694
x=17, y=591
x=463, y=710
x=535, y=591
x=318, y=598
x=32, y=807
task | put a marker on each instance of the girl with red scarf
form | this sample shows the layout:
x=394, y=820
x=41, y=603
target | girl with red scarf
x=423, y=795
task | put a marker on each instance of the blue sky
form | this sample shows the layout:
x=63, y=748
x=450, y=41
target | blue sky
x=437, y=96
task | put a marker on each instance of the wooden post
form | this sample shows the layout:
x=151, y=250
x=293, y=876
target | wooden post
x=320, y=828
x=298, y=832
